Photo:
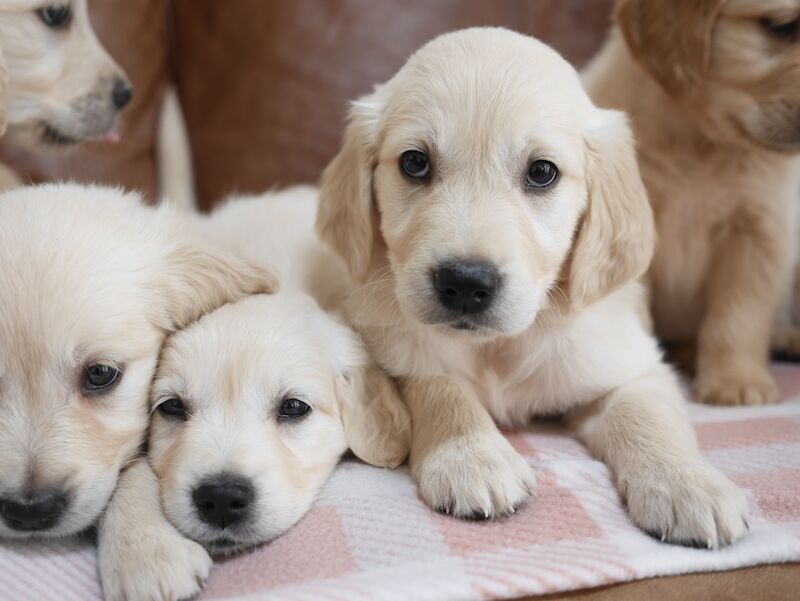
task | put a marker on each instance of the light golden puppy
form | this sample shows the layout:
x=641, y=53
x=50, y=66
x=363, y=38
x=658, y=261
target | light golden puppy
x=253, y=406
x=92, y=281
x=58, y=85
x=499, y=223
x=712, y=88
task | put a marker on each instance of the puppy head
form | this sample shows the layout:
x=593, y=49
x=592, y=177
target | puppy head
x=253, y=406
x=91, y=281
x=58, y=85
x=736, y=63
x=492, y=182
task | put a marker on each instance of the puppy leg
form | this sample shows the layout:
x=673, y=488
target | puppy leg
x=376, y=422
x=141, y=555
x=463, y=465
x=743, y=292
x=642, y=432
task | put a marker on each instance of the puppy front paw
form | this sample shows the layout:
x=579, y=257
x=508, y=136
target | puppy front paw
x=159, y=565
x=694, y=505
x=732, y=385
x=475, y=478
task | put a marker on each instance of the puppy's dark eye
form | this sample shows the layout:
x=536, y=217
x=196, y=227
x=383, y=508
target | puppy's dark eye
x=173, y=408
x=99, y=377
x=292, y=408
x=55, y=15
x=784, y=30
x=415, y=164
x=541, y=174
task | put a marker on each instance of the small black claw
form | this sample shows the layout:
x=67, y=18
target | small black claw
x=477, y=515
x=693, y=543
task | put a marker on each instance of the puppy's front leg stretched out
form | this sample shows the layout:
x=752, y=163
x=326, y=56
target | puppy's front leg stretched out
x=642, y=432
x=141, y=555
x=463, y=464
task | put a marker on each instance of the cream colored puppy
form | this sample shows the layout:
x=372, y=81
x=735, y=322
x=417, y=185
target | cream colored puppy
x=253, y=406
x=92, y=281
x=713, y=91
x=499, y=224
x=58, y=85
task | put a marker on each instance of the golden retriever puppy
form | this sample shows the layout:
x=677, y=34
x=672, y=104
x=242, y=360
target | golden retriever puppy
x=58, y=85
x=499, y=225
x=713, y=93
x=92, y=281
x=253, y=405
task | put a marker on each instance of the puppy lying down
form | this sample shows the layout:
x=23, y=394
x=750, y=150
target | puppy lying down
x=253, y=405
x=91, y=282
x=499, y=223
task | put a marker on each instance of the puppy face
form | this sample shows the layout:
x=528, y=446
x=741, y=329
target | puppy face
x=737, y=62
x=58, y=85
x=484, y=155
x=247, y=423
x=91, y=281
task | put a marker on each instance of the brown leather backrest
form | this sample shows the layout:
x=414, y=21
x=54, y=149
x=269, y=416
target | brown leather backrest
x=265, y=84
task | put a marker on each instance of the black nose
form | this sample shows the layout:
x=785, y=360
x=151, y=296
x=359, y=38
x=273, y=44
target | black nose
x=38, y=513
x=121, y=94
x=223, y=500
x=466, y=286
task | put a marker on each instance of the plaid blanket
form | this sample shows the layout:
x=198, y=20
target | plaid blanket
x=370, y=536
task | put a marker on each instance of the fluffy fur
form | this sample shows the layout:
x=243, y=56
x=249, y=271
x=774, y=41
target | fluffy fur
x=232, y=370
x=719, y=162
x=562, y=335
x=90, y=276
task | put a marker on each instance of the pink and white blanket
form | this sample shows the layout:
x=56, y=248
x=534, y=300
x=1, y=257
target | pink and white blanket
x=371, y=538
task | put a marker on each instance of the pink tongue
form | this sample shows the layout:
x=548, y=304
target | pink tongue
x=113, y=137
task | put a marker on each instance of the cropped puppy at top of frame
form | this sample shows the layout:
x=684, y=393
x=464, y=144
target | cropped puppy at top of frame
x=712, y=88
x=92, y=281
x=58, y=85
x=498, y=224
x=253, y=405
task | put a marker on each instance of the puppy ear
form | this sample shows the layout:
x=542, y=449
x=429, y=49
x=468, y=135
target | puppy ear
x=345, y=215
x=616, y=238
x=199, y=278
x=670, y=39
x=3, y=93
x=377, y=425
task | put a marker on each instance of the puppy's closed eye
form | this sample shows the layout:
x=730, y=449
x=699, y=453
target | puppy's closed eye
x=173, y=408
x=782, y=29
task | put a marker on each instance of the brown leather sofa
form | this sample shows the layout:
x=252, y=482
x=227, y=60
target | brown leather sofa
x=264, y=86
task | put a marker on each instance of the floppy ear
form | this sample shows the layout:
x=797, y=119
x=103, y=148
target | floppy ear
x=670, y=38
x=377, y=425
x=3, y=93
x=199, y=278
x=345, y=215
x=616, y=238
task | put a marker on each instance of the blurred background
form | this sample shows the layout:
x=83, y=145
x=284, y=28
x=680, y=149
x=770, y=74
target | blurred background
x=264, y=84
